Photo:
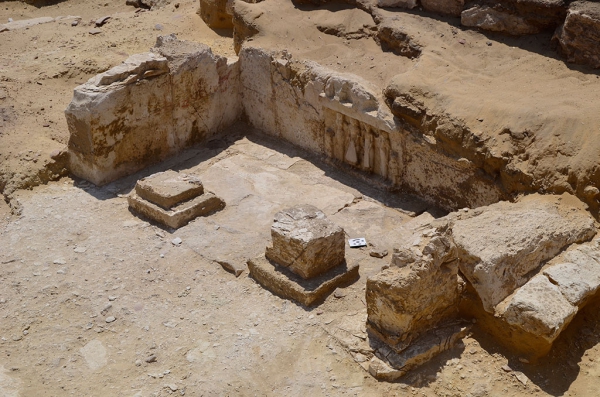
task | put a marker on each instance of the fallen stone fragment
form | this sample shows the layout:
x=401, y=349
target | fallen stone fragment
x=378, y=252
x=236, y=267
x=281, y=281
x=101, y=21
x=110, y=319
x=95, y=31
x=521, y=377
x=305, y=241
x=176, y=241
x=151, y=359
x=506, y=368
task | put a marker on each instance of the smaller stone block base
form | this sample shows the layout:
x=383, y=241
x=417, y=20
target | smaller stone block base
x=389, y=365
x=169, y=188
x=180, y=214
x=281, y=281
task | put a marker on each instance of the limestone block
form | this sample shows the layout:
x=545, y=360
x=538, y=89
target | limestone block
x=281, y=281
x=169, y=188
x=515, y=17
x=579, y=36
x=305, y=241
x=576, y=273
x=444, y=7
x=538, y=308
x=217, y=14
x=499, y=245
x=180, y=214
x=150, y=107
x=487, y=18
x=420, y=289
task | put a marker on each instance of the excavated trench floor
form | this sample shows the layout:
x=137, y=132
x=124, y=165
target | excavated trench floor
x=77, y=256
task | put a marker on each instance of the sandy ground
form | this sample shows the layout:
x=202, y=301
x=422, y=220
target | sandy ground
x=76, y=249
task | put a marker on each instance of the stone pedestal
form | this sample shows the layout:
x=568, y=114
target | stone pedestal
x=173, y=199
x=306, y=261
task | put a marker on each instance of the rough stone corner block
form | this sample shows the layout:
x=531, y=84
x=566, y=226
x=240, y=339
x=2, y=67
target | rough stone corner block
x=306, y=242
x=420, y=290
x=150, y=107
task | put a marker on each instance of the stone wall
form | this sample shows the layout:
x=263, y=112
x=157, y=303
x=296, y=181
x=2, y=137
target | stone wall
x=344, y=118
x=150, y=107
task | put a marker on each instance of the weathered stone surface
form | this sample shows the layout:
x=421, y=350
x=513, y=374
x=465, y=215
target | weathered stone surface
x=390, y=365
x=393, y=37
x=169, y=188
x=538, y=308
x=409, y=4
x=515, y=17
x=579, y=36
x=576, y=272
x=420, y=289
x=305, y=241
x=444, y=7
x=182, y=93
x=284, y=283
x=499, y=245
x=178, y=215
x=217, y=14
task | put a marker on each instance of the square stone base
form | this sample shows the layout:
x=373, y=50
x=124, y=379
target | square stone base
x=281, y=281
x=169, y=188
x=179, y=215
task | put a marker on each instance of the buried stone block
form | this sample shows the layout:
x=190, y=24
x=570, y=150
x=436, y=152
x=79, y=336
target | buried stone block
x=173, y=199
x=306, y=259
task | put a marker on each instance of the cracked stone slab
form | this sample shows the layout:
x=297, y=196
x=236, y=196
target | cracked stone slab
x=281, y=281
